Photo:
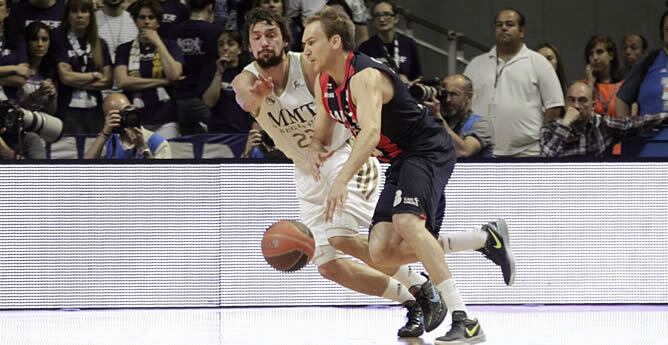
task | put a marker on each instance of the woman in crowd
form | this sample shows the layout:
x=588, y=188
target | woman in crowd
x=226, y=115
x=551, y=53
x=84, y=69
x=39, y=92
x=146, y=68
x=601, y=73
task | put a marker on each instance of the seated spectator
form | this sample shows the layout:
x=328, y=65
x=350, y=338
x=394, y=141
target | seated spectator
x=647, y=86
x=198, y=40
x=115, y=25
x=49, y=12
x=40, y=90
x=117, y=142
x=84, y=69
x=395, y=50
x=601, y=73
x=259, y=145
x=275, y=6
x=634, y=47
x=226, y=114
x=359, y=16
x=146, y=68
x=472, y=134
x=582, y=132
x=551, y=53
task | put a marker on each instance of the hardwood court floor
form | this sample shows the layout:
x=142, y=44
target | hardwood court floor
x=559, y=325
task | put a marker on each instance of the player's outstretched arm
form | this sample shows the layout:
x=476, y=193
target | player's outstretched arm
x=366, y=88
x=323, y=127
x=250, y=90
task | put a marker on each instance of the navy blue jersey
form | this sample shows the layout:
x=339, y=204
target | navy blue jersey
x=406, y=127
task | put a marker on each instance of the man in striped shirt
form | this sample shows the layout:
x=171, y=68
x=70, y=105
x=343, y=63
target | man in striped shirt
x=581, y=132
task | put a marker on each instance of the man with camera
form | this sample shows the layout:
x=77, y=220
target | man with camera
x=123, y=137
x=472, y=134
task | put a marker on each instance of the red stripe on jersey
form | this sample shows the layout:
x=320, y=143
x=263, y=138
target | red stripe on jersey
x=389, y=149
x=324, y=80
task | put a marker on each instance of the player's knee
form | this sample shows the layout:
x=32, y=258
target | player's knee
x=342, y=243
x=332, y=270
x=379, y=253
x=407, y=224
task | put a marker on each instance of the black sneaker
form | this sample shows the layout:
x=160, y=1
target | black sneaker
x=463, y=331
x=431, y=303
x=497, y=249
x=414, y=326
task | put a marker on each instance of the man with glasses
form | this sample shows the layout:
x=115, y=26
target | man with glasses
x=393, y=49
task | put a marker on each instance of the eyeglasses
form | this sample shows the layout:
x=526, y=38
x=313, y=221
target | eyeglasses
x=383, y=15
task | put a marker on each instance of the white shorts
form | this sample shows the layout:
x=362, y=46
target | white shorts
x=362, y=198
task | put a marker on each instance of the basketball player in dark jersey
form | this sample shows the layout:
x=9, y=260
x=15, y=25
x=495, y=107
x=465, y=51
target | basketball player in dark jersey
x=374, y=104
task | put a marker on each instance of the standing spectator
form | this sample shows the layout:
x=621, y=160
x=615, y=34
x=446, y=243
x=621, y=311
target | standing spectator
x=119, y=141
x=175, y=12
x=114, y=25
x=198, y=39
x=84, y=69
x=359, y=16
x=647, y=85
x=49, y=12
x=146, y=67
x=226, y=114
x=393, y=49
x=551, y=53
x=516, y=88
x=582, y=132
x=634, y=47
x=601, y=72
x=472, y=134
x=275, y=6
x=40, y=92
x=14, y=69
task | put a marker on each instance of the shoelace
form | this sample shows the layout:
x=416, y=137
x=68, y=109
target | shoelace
x=455, y=327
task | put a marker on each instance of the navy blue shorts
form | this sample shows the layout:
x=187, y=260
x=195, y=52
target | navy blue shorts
x=415, y=184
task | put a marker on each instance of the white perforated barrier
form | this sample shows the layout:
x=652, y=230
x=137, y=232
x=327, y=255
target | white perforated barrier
x=160, y=235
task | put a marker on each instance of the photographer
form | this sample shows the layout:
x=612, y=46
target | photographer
x=123, y=137
x=472, y=135
x=260, y=145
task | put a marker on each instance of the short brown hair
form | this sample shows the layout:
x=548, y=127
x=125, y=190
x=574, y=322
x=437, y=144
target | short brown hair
x=335, y=22
x=260, y=15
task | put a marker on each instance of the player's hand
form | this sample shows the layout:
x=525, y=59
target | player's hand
x=336, y=199
x=263, y=86
x=315, y=160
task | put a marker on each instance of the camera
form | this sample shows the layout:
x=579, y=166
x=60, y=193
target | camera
x=426, y=90
x=13, y=117
x=130, y=118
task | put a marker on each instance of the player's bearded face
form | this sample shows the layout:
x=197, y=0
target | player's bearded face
x=268, y=58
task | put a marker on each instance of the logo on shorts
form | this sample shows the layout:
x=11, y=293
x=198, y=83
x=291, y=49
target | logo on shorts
x=397, y=197
x=400, y=199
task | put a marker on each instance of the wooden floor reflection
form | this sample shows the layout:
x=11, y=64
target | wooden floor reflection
x=628, y=324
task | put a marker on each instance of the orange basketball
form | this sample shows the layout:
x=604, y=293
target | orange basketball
x=288, y=245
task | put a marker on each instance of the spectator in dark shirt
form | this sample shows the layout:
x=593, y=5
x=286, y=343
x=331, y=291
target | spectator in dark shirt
x=395, y=50
x=146, y=69
x=634, y=47
x=49, y=12
x=84, y=69
x=174, y=12
x=39, y=92
x=226, y=114
x=198, y=39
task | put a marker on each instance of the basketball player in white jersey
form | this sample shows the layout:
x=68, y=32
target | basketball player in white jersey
x=277, y=90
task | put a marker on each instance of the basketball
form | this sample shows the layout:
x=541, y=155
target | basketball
x=288, y=245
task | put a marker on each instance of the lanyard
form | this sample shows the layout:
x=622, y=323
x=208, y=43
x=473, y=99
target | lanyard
x=498, y=72
x=396, y=59
x=605, y=103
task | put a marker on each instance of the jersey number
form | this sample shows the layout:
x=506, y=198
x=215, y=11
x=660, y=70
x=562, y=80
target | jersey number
x=304, y=140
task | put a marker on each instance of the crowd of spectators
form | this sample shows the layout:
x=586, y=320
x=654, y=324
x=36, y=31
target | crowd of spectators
x=172, y=61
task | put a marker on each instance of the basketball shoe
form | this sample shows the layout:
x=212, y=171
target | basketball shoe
x=463, y=331
x=431, y=303
x=497, y=249
x=414, y=326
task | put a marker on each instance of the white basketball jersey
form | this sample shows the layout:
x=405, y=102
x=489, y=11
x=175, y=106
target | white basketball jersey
x=288, y=118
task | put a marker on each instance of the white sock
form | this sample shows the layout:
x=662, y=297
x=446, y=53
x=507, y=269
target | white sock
x=397, y=292
x=450, y=295
x=409, y=277
x=465, y=240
